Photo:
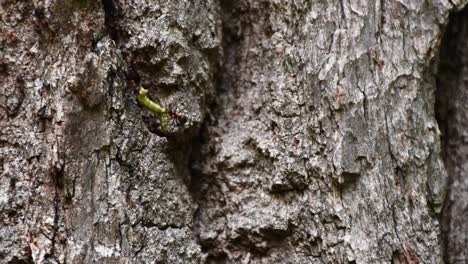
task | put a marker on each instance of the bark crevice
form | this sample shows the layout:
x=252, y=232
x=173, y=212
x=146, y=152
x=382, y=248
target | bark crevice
x=110, y=16
x=452, y=116
x=199, y=180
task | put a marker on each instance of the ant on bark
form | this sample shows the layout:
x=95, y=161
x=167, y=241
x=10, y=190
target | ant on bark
x=173, y=115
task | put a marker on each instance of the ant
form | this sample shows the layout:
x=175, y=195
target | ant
x=179, y=119
x=132, y=84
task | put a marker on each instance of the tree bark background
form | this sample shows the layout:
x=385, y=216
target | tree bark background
x=311, y=134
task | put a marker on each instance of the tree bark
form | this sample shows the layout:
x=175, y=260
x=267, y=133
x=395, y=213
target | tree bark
x=300, y=132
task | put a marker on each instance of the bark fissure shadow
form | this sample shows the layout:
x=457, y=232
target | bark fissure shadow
x=110, y=19
x=451, y=111
x=223, y=83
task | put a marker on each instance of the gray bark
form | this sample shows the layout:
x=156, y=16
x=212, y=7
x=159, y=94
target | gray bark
x=310, y=133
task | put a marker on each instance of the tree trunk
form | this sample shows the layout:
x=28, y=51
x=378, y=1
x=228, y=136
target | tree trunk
x=300, y=132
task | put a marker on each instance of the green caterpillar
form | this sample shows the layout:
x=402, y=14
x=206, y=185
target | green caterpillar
x=153, y=107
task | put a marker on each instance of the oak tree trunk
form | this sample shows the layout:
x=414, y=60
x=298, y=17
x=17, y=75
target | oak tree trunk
x=300, y=131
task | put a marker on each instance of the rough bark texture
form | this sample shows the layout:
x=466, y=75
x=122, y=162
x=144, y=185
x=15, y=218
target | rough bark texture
x=87, y=180
x=310, y=133
x=452, y=114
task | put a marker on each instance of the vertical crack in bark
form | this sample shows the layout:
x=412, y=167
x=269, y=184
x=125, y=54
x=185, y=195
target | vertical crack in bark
x=229, y=46
x=452, y=116
x=110, y=11
x=389, y=143
x=56, y=220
